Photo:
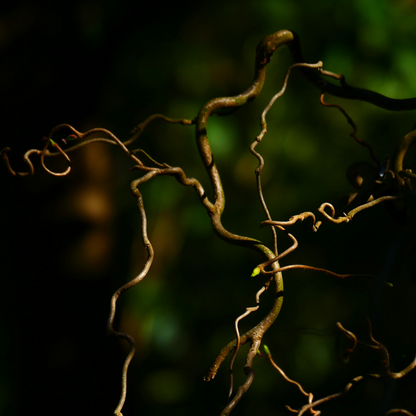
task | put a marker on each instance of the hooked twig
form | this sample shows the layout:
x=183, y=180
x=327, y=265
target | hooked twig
x=282, y=373
x=289, y=380
x=352, y=337
x=385, y=359
x=348, y=217
x=263, y=132
x=60, y=151
x=336, y=395
x=237, y=347
x=26, y=158
x=330, y=216
x=261, y=267
x=351, y=123
x=263, y=123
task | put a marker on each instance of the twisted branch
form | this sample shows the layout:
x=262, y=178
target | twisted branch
x=215, y=208
x=117, y=293
x=385, y=359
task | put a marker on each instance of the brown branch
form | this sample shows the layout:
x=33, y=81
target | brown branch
x=237, y=347
x=330, y=216
x=261, y=267
x=348, y=217
x=138, y=130
x=282, y=373
x=385, y=359
x=407, y=174
x=350, y=122
x=346, y=91
x=248, y=370
x=398, y=158
x=263, y=132
x=60, y=151
x=254, y=334
x=81, y=139
x=352, y=337
x=263, y=122
x=336, y=395
x=215, y=209
x=329, y=272
x=114, y=298
x=26, y=158
x=402, y=411
x=293, y=220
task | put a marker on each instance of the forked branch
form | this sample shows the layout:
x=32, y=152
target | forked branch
x=64, y=139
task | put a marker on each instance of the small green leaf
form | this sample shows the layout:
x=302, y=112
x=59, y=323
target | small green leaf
x=266, y=349
x=256, y=271
x=389, y=284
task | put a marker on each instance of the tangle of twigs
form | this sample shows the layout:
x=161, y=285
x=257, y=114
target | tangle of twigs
x=377, y=190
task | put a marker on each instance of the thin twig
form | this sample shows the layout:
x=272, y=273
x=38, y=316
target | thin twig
x=351, y=122
x=133, y=282
x=237, y=347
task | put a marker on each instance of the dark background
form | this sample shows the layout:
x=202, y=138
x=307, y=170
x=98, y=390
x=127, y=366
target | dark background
x=68, y=243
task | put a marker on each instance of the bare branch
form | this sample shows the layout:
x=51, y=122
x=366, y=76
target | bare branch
x=137, y=279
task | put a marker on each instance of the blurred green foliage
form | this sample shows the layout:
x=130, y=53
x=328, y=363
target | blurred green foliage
x=111, y=64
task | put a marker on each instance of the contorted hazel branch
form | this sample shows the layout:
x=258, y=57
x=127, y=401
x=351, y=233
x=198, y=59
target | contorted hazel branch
x=329, y=217
x=259, y=170
x=384, y=358
x=73, y=139
x=289, y=380
x=384, y=355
